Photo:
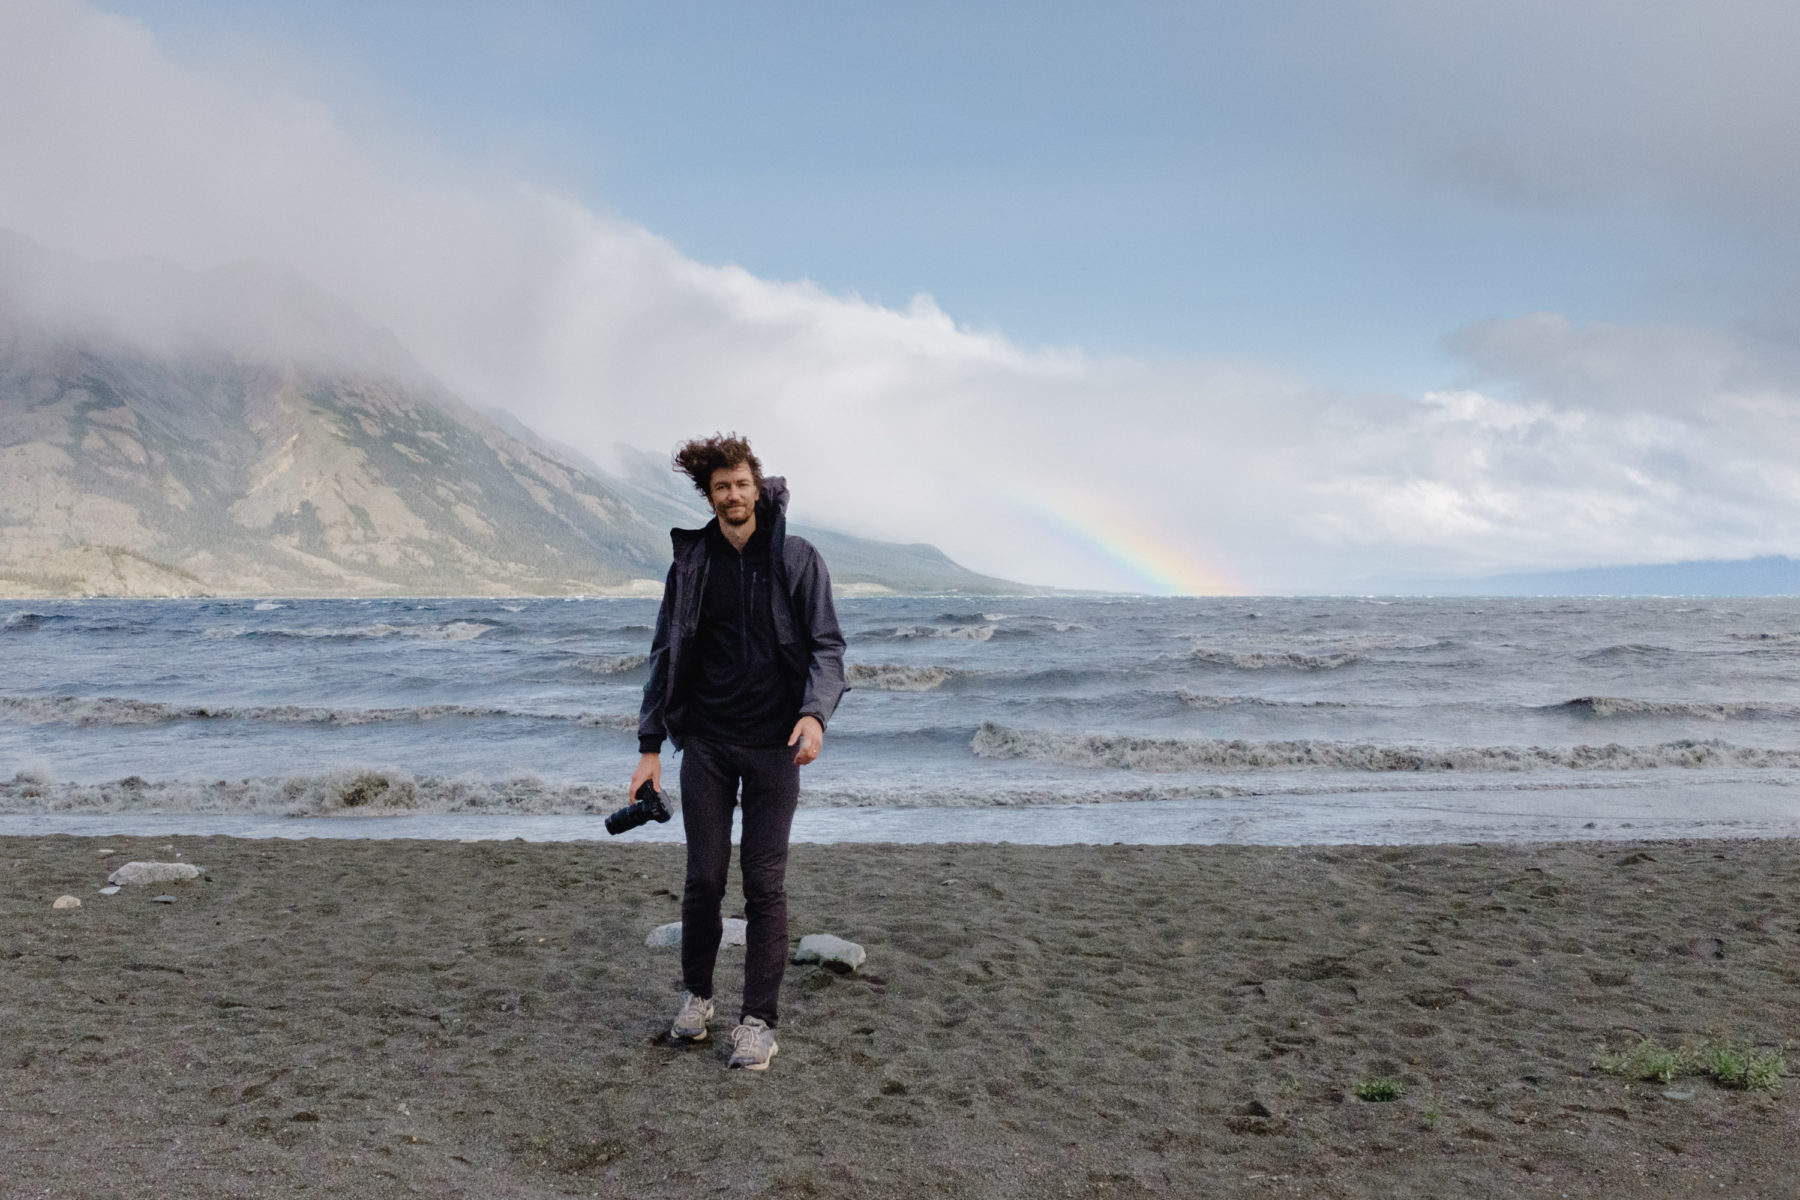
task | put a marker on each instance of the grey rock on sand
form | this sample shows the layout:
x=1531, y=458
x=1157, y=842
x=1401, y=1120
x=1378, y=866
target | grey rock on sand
x=154, y=872
x=162, y=899
x=668, y=937
x=111, y=890
x=830, y=951
x=66, y=902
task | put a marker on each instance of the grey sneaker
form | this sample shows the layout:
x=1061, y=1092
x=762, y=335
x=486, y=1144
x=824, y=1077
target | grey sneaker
x=690, y=1022
x=753, y=1045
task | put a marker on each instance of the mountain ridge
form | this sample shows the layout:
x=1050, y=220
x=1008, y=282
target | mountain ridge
x=238, y=432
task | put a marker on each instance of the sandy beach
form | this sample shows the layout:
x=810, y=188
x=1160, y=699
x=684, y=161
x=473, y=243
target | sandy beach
x=416, y=1018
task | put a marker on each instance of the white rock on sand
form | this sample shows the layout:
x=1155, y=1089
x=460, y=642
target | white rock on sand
x=668, y=937
x=66, y=902
x=112, y=890
x=154, y=872
x=830, y=951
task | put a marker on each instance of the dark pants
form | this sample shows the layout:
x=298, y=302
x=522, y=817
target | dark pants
x=710, y=773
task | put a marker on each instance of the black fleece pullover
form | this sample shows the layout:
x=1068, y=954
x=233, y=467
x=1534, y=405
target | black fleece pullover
x=738, y=693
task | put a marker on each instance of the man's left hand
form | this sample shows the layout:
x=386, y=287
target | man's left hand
x=810, y=736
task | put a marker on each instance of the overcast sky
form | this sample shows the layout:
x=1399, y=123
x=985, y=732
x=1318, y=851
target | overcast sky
x=1281, y=296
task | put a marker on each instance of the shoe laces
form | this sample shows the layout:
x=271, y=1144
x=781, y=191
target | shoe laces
x=747, y=1036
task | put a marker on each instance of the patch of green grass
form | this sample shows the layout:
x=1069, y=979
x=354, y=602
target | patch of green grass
x=1744, y=1070
x=1726, y=1063
x=1646, y=1060
x=1379, y=1091
x=1431, y=1116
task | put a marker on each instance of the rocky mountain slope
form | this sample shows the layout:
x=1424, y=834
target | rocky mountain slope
x=240, y=433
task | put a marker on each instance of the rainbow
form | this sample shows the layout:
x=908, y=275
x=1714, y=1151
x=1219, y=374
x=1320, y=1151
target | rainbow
x=1158, y=564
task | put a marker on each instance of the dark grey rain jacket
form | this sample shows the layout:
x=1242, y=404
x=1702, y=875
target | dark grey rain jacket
x=811, y=646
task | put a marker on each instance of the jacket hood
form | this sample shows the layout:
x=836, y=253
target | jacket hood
x=775, y=495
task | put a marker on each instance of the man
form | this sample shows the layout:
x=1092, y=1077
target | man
x=746, y=667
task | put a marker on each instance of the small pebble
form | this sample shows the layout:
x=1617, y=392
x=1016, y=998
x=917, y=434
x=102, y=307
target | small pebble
x=106, y=852
x=112, y=890
x=1678, y=1095
x=66, y=902
x=162, y=899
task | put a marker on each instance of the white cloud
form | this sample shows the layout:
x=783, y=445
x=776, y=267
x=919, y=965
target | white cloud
x=1596, y=444
x=1571, y=445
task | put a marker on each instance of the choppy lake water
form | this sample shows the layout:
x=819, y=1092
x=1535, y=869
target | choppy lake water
x=1032, y=719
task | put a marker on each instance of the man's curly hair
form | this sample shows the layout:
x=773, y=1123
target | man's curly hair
x=699, y=458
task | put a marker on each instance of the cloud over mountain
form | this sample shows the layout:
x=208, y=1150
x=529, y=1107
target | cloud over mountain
x=1565, y=444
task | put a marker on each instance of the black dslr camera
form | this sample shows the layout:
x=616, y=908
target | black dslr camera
x=648, y=806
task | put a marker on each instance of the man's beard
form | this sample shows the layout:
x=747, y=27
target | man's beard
x=743, y=517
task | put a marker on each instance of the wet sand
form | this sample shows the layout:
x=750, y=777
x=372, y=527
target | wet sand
x=413, y=1018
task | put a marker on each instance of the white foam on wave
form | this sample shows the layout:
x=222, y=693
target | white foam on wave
x=1266, y=660
x=267, y=606
x=87, y=711
x=352, y=793
x=1706, y=710
x=611, y=666
x=894, y=678
x=450, y=631
x=348, y=791
x=1203, y=700
x=1168, y=754
x=973, y=633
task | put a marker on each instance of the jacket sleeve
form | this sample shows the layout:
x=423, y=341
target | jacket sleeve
x=651, y=725
x=825, y=684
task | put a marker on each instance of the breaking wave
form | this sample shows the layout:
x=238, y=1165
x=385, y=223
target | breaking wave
x=1777, y=639
x=349, y=791
x=1201, y=700
x=1291, y=660
x=1628, y=652
x=110, y=711
x=22, y=622
x=611, y=666
x=358, y=791
x=907, y=633
x=1618, y=706
x=449, y=631
x=892, y=678
x=1158, y=754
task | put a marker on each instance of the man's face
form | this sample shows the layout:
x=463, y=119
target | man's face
x=733, y=495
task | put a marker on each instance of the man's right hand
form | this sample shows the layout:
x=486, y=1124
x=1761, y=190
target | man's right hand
x=649, y=767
